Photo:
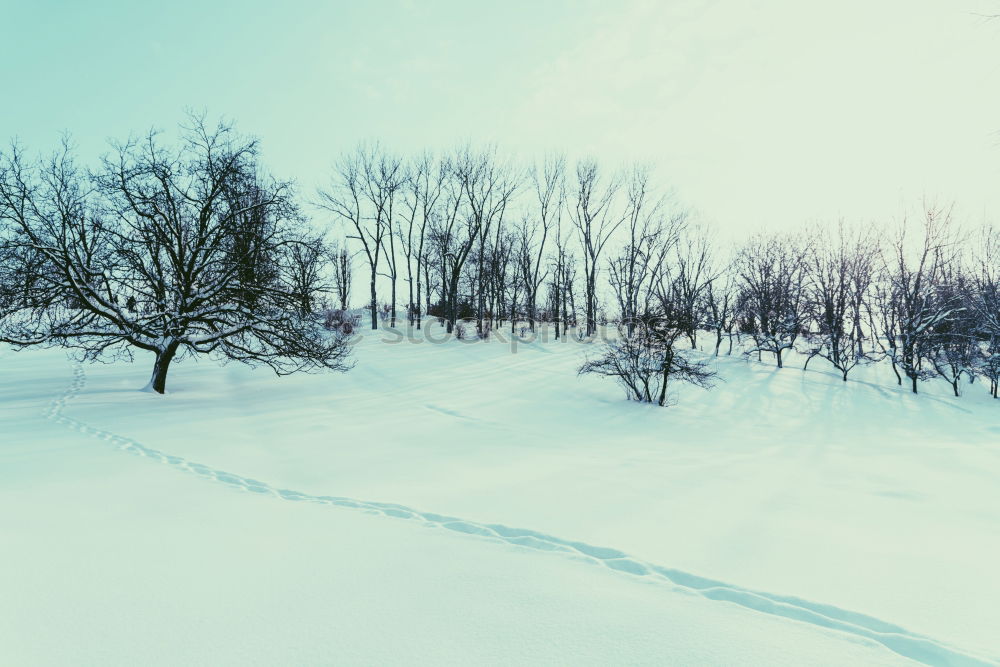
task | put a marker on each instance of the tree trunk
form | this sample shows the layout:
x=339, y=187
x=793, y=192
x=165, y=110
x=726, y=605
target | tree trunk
x=531, y=309
x=592, y=302
x=409, y=289
x=374, y=304
x=452, y=305
x=158, y=381
x=392, y=313
x=667, y=362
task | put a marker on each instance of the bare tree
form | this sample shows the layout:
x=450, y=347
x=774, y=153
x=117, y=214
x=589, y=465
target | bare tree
x=563, y=271
x=596, y=221
x=720, y=304
x=305, y=261
x=772, y=301
x=644, y=358
x=170, y=251
x=908, y=304
x=695, y=274
x=550, y=193
x=984, y=302
x=343, y=270
x=503, y=283
x=954, y=349
x=422, y=190
x=651, y=236
x=361, y=194
x=839, y=275
x=453, y=236
x=487, y=187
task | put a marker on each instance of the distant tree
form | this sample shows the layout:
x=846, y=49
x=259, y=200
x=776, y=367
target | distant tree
x=488, y=185
x=720, y=299
x=652, y=233
x=839, y=272
x=772, y=291
x=389, y=250
x=168, y=250
x=362, y=194
x=343, y=270
x=452, y=236
x=984, y=302
x=695, y=273
x=562, y=274
x=475, y=199
x=305, y=262
x=422, y=190
x=503, y=284
x=953, y=349
x=550, y=193
x=596, y=219
x=644, y=358
x=909, y=303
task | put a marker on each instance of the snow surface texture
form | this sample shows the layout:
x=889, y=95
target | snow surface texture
x=891, y=525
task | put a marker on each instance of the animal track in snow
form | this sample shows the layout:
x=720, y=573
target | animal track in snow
x=914, y=646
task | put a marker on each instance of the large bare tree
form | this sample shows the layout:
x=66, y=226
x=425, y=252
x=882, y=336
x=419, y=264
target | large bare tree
x=170, y=250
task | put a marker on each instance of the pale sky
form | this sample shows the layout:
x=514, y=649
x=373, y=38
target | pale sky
x=762, y=114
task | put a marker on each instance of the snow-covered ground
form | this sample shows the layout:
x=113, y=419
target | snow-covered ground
x=458, y=503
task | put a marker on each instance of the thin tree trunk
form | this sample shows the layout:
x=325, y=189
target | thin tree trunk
x=427, y=284
x=392, y=313
x=418, y=305
x=667, y=361
x=374, y=304
x=409, y=286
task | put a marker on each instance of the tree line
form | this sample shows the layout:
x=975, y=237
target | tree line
x=194, y=248
x=474, y=237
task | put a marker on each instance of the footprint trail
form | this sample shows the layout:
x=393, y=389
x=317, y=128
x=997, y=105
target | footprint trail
x=910, y=645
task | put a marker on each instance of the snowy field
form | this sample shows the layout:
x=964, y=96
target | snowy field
x=458, y=503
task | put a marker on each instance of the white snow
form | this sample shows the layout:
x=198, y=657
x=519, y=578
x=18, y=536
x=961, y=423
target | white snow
x=459, y=504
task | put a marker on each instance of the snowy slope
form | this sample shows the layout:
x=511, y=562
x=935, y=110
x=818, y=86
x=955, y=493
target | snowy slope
x=533, y=516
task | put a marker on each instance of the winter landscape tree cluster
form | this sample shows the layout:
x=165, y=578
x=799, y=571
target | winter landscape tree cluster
x=475, y=237
x=196, y=249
